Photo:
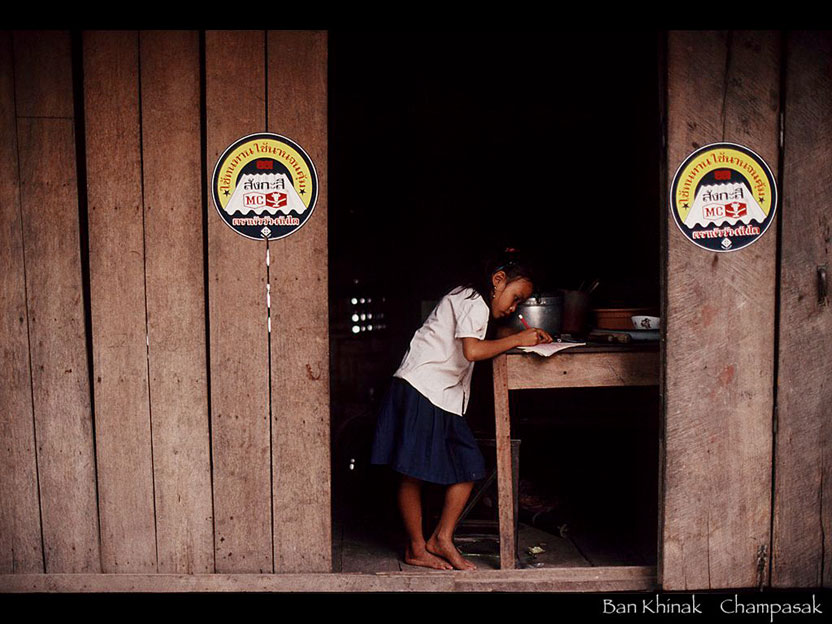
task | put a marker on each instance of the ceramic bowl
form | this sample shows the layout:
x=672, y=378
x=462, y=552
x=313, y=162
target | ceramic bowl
x=646, y=322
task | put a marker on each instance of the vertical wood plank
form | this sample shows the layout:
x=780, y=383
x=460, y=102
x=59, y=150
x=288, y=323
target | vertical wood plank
x=505, y=490
x=33, y=64
x=172, y=162
x=20, y=526
x=720, y=338
x=60, y=375
x=235, y=107
x=117, y=290
x=802, y=532
x=687, y=488
x=297, y=75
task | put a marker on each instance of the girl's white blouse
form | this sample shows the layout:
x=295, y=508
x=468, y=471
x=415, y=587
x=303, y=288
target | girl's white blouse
x=434, y=363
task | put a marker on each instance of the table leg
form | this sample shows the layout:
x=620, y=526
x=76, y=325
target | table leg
x=505, y=491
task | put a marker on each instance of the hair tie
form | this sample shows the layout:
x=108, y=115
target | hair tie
x=511, y=250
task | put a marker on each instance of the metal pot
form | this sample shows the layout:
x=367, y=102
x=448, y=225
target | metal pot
x=544, y=311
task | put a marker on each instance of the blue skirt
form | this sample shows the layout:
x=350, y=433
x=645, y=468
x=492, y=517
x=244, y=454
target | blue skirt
x=423, y=441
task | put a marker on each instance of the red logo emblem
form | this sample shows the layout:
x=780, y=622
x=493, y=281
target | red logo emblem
x=277, y=200
x=265, y=164
x=735, y=209
x=722, y=174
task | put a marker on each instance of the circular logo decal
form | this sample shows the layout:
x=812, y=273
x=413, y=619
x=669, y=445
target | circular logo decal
x=264, y=186
x=723, y=197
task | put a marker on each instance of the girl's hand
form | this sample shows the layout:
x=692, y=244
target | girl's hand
x=532, y=336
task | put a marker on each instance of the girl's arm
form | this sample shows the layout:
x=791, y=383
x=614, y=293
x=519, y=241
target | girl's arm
x=475, y=349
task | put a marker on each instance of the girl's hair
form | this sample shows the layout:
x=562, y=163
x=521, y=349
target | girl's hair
x=515, y=264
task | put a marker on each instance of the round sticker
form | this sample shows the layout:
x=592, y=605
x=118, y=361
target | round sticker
x=265, y=186
x=723, y=197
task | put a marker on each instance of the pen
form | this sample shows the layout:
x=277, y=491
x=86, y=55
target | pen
x=522, y=320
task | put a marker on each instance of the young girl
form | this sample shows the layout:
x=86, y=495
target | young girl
x=421, y=431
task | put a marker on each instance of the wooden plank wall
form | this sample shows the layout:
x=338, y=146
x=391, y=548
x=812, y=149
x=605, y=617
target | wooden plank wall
x=802, y=530
x=300, y=308
x=57, y=356
x=235, y=106
x=57, y=337
x=158, y=455
x=117, y=291
x=174, y=273
x=722, y=86
x=21, y=549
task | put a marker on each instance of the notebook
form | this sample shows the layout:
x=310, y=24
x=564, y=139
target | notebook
x=550, y=348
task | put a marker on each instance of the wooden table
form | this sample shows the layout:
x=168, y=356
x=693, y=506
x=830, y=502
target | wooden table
x=577, y=367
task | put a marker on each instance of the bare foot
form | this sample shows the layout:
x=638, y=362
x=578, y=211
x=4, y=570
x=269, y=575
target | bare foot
x=424, y=558
x=447, y=550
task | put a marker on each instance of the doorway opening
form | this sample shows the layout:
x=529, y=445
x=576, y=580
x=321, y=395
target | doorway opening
x=444, y=146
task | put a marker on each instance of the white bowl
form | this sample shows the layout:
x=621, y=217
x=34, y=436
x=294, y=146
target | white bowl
x=645, y=322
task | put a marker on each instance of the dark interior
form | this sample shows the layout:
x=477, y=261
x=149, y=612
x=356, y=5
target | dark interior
x=446, y=146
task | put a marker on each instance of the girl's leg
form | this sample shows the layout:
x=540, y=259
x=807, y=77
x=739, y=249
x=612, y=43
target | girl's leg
x=410, y=506
x=441, y=542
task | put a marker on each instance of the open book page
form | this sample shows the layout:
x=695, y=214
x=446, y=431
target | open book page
x=550, y=348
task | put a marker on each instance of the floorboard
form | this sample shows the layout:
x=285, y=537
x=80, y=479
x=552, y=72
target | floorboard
x=366, y=551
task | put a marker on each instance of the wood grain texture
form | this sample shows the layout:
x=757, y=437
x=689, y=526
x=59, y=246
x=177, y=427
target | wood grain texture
x=20, y=526
x=117, y=290
x=617, y=578
x=235, y=107
x=172, y=162
x=297, y=81
x=60, y=375
x=720, y=336
x=505, y=491
x=43, y=56
x=802, y=532
x=583, y=370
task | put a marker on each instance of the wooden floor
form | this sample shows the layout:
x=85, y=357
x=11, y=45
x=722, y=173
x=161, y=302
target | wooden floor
x=367, y=550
